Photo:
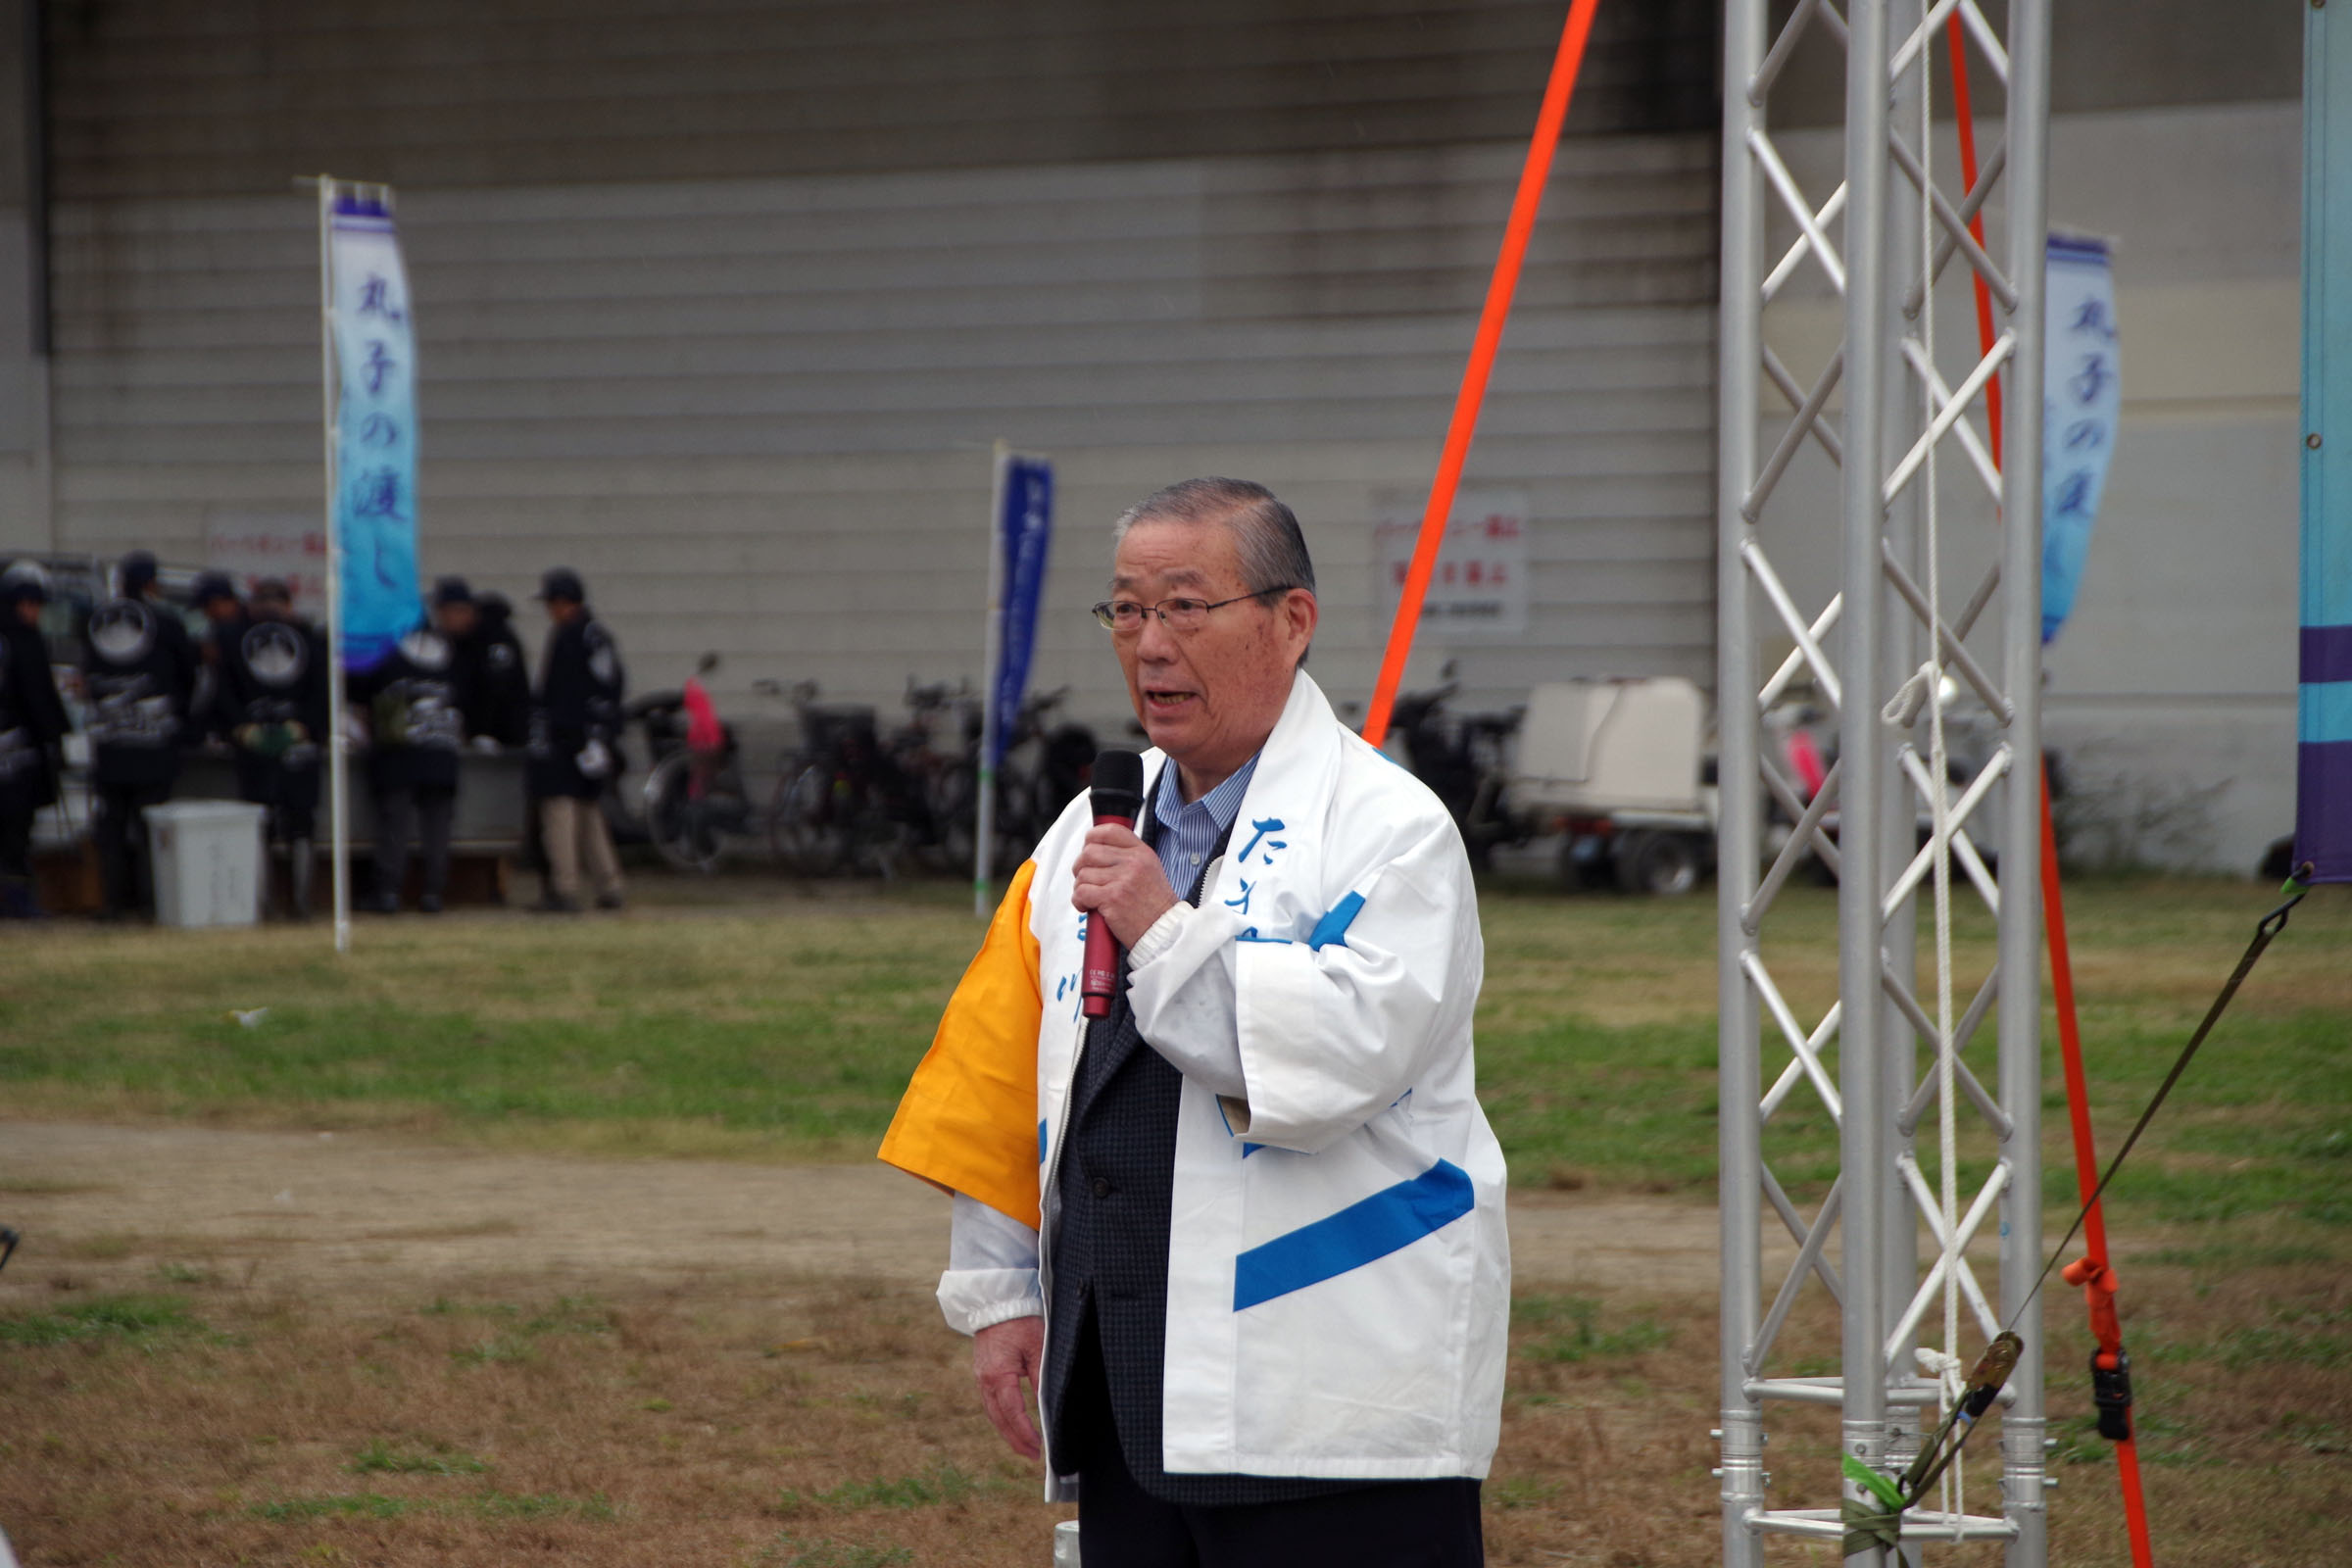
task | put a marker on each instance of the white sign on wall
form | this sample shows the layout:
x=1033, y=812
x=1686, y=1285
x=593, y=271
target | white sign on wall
x=1479, y=589
x=249, y=549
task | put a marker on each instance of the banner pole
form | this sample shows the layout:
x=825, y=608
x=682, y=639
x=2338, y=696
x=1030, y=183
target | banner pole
x=1491, y=322
x=338, y=820
x=984, y=828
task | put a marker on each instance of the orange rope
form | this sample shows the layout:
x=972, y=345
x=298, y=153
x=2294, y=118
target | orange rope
x=2094, y=1274
x=1491, y=322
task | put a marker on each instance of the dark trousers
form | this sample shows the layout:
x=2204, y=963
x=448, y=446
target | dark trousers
x=425, y=812
x=1393, y=1524
x=290, y=793
x=119, y=827
x=17, y=813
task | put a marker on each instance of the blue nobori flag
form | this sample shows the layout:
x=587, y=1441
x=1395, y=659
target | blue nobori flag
x=2082, y=400
x=1025, y=529
x=2323, y=701
x=375, y=428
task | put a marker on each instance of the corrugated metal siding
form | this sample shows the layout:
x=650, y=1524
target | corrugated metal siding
x=178, y=97
x=755, y=411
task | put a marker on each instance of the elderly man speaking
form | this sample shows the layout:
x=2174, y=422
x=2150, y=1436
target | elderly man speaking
x=1244, y=1235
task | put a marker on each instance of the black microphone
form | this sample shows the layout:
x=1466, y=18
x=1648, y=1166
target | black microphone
x=1118, y=798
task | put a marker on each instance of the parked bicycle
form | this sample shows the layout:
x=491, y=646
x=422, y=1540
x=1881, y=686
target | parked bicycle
x=694, y=803
x=851, y=798
x=841, y=804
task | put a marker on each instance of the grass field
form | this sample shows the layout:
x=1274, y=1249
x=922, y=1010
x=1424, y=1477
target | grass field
x=825, y=1423
x=787, y=1032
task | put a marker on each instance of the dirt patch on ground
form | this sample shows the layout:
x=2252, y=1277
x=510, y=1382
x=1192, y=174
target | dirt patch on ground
x=277, y=1347
x=347, y=1213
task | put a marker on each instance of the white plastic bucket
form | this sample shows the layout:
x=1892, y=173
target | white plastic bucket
x=208, y=863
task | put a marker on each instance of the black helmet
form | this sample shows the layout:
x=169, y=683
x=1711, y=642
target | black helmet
x=136, y=572
x=562, y=582
x=24, y=580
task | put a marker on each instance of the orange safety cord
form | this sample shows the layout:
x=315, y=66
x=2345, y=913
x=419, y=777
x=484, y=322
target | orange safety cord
x=2093, y=1273
x=1556, y=93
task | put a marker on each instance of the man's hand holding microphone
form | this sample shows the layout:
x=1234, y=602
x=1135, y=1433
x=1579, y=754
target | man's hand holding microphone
x=1119, y=882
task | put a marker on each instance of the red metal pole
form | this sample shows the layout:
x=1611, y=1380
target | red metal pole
x=1975, y=225
x=2093, y=1273
x=1473, y=393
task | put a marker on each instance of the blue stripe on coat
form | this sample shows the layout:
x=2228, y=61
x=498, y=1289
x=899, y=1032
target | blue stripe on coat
x=1041, y=1141
x=1333, y=927
x=1372, y=1228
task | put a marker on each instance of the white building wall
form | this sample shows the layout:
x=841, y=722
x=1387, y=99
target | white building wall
x=756, y=413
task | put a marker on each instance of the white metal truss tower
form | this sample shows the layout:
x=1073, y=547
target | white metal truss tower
x=1877, y=1239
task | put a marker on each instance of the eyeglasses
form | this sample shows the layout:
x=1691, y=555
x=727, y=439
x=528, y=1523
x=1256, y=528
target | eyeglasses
x=1125, y=616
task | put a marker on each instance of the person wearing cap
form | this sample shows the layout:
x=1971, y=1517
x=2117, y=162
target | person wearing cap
x=575, y=744
x=415, y=710
x=492, y=679
x=139, y=672
x=271, y=703
x=213, y=596
x=33, y=723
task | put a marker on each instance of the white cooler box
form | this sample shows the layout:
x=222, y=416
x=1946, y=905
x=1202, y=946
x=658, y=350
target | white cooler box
x=1597, y=747
x=208, y=863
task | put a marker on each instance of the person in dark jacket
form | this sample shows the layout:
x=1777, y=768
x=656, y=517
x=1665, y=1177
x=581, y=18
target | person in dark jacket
x=212, y=712
x=416, y=709
x=575, y=746
x=33, y=723
x=493, y=679
x=139, y=672
x=270, y=700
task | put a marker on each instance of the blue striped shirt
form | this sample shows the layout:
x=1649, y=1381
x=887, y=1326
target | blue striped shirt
x=1190, y=829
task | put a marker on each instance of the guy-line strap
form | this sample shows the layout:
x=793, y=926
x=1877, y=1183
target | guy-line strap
x=2270, y=926
x=1945, y=1444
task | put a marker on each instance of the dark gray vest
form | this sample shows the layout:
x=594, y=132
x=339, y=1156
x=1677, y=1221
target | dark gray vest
x=1115, y=1183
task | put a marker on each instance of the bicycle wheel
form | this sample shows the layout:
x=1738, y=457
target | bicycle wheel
x=800, y=832
x=952, y=798
x=685, y=831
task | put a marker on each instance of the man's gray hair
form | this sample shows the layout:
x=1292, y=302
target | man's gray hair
x=1265, y=532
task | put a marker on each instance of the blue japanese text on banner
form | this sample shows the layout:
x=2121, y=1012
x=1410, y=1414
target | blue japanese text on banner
x=2324, y=707
x=2082, y=399
x=375, y=448
x=1026, y=529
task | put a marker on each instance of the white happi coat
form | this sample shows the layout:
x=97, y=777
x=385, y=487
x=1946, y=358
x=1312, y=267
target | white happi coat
x=1339, y=1275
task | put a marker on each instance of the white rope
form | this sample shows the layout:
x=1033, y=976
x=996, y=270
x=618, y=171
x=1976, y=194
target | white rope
x=1954, y=1494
